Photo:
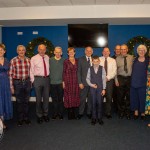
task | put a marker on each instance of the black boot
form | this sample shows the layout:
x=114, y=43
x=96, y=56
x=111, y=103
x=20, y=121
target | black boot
x=74, y=113
x=69, y=114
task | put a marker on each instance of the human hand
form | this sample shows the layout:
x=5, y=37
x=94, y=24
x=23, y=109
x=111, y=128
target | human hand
x=103, y=92
x=63, y=84
x=94, y=86
x=81, y=86
x=117, y=83
x=12, y=91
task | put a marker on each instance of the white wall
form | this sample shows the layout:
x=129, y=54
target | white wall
x=64, y=12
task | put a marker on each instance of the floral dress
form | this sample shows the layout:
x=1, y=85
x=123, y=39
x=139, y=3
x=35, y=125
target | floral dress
x=147, y=106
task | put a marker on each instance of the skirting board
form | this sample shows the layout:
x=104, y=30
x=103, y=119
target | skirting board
x=33, y=99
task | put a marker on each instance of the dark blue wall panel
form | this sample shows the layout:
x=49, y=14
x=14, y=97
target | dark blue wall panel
x=58, y=35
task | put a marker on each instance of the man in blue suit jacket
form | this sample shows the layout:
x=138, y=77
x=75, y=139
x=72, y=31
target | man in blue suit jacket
x=83, y=64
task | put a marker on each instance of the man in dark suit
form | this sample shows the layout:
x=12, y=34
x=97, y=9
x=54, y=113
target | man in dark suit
x=83, y=64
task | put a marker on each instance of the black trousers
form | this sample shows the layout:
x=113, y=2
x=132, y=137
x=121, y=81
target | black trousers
x=56, y=91
x=22, y=93
x=109, y=93
x=115, y=103
x=123, y=95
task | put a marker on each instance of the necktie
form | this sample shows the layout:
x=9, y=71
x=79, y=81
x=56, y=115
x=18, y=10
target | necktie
x=125, y=64
x=105, y=65
x=89, y=60
x=45, y=71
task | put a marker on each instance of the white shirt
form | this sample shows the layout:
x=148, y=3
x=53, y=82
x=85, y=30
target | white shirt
x=111, y=67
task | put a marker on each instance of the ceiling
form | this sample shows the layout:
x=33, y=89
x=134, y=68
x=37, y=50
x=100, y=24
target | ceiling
x=15, y=4
x=31, y=3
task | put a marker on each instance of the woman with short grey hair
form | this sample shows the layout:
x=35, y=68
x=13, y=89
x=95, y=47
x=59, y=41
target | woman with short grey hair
x=138, y=83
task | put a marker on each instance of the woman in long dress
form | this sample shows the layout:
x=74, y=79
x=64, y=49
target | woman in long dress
x=5, y=94
x=70, y=84
x=147, y=106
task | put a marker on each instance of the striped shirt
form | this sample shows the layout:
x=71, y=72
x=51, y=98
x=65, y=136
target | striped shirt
x=19, y=69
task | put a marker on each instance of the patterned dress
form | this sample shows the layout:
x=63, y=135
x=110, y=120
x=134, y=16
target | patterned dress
x=71, y=90
x=147, y=107
x=5, y=94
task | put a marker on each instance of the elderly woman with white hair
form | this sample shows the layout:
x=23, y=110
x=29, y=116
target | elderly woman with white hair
x=138, y=83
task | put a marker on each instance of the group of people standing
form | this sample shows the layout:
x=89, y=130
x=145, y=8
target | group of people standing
x=72, y=82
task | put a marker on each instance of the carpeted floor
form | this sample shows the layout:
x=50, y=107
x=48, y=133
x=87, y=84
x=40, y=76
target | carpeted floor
x=115, y=134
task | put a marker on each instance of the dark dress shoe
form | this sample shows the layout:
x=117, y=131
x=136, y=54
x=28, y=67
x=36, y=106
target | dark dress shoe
x=73, y=116
x=135, y=117
x=54, y=117
x=128, y=117
x=39, y=120
x=100, y=121
x=69, y=116
x=93, y=122
x=79, y=117
x=61, y=117
x=121, y=116
x=5, y=128
x=108, y=116
x=143, y=118
x=46, y=118
x=89, y=116
x=20, y=123
x=27, y=121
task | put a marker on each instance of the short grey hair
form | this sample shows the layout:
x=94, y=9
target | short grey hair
x=21, y=46
x=142, y=47
x=58, y=47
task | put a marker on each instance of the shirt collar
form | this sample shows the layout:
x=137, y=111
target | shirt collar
x=124, y=55
x=88, y=57
x=21, y=59
x=107, y=57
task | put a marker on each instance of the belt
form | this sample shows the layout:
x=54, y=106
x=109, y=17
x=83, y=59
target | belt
x=41, y=76
x=21, y=80
x=125, y=77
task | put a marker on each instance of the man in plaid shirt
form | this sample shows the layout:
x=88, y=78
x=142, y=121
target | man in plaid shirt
x=20, y=84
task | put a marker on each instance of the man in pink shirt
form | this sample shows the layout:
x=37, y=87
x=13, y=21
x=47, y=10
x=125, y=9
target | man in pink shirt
x=39, y=74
